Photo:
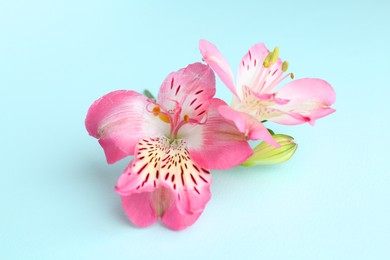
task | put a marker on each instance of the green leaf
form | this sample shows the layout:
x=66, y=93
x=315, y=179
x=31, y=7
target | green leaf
x=148, y=94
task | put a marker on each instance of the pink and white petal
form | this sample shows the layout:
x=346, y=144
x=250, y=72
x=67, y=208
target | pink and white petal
x=252, y=73
x=119, y=119
x=139, y=209
x=320, y=114
x=213, y=57
x=252, y=101
x=217, y=144
x=160, y=163
x=270, y=97
x=143, y=173
x=133, y=182
x=175, y=220
x=194, y=199
x=291, y=118
x=271, y=78
x=251, y=65
x=248, y=125
x=189, y=182
x=310, y=99
x=192, y=88
x=284, y=117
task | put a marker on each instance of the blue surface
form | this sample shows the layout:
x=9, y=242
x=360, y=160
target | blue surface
x=331, y=201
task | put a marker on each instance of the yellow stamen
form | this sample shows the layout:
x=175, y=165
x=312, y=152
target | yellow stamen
x=275, y=55
x=267, y=60
x=186, y=118
x=156, y=110
x=285, y=66
x=292, y=75
x=164, y=117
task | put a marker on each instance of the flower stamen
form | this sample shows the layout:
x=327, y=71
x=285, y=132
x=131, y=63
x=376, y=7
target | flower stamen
x=261, y=82
x=267, y=61
x=285, y=66
x=156, y=111
x=274, y=55
x=163, y=117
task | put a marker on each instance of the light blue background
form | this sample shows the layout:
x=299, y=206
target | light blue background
x=330, y=201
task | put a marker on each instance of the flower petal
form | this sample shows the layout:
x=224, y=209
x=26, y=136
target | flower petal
x=252, y=73
x=158, y=162
x=139, y=209
x=217, y=144
x=119, y=119
x=192, y=88
x=176, y=220
x=310, y=99
x=213, y=57
x=247, y=124
x=143, y=209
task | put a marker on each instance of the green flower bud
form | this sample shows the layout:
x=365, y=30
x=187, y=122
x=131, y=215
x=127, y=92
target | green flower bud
x=267, y=154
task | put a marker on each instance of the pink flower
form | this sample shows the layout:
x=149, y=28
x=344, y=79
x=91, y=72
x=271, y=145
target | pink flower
x=255, y=97
x=174, y=139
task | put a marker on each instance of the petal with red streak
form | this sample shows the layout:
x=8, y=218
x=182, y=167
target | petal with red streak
x=190, y=89
x=252, y=73
x=160, y=163
x=217, y=144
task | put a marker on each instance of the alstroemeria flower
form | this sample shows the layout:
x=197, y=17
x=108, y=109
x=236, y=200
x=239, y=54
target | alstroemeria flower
x=175, y=140
x=255, y=97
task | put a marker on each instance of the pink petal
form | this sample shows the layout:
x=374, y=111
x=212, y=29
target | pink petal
x=310, y=99
x=307, y=89
x=158, y=162
x=270, y=97
x=135, y=180
x=218, y=144
x=119, y=119
x=195, y=193
x=192, y=88
x=139, y=209
x=213, y=57
x=247, y=124
x=143, y=173
x=143, y=210
x=175, y=220
x=252, y=73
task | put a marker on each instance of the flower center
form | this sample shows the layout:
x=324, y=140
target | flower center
x=172, y=116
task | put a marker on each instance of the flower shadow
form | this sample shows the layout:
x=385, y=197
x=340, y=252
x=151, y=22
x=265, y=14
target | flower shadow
x=102, y=178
